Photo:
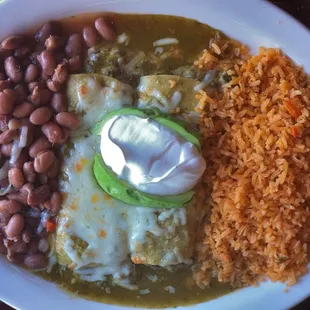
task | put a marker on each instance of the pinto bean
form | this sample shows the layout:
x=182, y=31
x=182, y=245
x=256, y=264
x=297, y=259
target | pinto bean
x=21, y=91
x=68, y=120
x=75, y=64
x=43, y=161
x=29, y=171
x=61, y=74
x=54, y=43
x=33, y=85
x=39, y=145
x=14, y=123
x=52, y=131
x=47, y=61
x=48, y=29
x=41, y=115
x=39, y=195
x=23, y=110
x=56, y=200
x=22, y=158
x=13, y=69
x=6, y=102
x=53, y=86
x=90, y=36
x=27, y=235
x=36, y=261
x=16, y=177
x=32, y=73
x=22, y=52
x=5, y=84
x=54, y=169
x=18, y=246
x=15, y=226
x=53, y=183
x=33, y=246
x=12, y=42
x=6, y=149
x=105, y=29
x=10, y=206
x=74, y=45
x=40, y=96
x=59, y=102
x=4, y=219
x=8, y=136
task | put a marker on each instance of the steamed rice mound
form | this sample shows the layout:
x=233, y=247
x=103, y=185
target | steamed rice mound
x=257, y=147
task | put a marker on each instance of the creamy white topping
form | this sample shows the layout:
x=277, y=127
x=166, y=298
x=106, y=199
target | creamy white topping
x=151, y=157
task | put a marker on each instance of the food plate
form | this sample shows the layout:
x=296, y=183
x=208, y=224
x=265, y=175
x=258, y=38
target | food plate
x=255, y=23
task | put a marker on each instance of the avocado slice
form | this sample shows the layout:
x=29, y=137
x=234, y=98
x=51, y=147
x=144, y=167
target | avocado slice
x=125, y=192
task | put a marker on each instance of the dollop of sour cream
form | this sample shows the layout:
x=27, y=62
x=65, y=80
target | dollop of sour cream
x=151, y=157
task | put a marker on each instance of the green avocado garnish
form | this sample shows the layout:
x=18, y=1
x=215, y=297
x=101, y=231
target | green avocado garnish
x=125, y=192
x=165, y=120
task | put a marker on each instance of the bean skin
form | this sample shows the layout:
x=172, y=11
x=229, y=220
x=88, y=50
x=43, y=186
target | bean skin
x=5, y=84
x=67, y=120
x=23, y=110
x=54, y=43
x=8, y=136
x=36, y=261
x=54, y=169
x=74, y=45
x=75, y=64
x=12, y=42
x=40, y=96
x=27, y=235
x=90, y=36
x=33, y=246
x=53, y=86
x=41, y=115
x=6, y=102
x=18, y=246
x=22, y=52
x=48, y=29
x=59, y=103
x=22, y=158
x=33, y=85
x=10, y=206
x=15, y=226
x=13, y=69
x=61, y=74
x=52, y=131
x=43, y=161
x=29, y=172
x=39, y=195
x=6, y=149
x=39, y=145
x=32, y=73
x=21, y=91
x=48, y=62
x=105, y=29
x=14, y=123
x=16, y=177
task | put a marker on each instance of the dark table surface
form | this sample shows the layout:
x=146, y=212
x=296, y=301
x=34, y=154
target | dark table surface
x=300, y=9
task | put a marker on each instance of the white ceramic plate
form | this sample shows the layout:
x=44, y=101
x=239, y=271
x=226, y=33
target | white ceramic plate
x=253, y=22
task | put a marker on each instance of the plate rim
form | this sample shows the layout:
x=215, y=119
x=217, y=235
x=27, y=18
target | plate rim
x=287, y=23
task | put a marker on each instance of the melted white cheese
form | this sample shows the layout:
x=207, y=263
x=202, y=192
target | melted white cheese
x=151, y=157
x=90, y=214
